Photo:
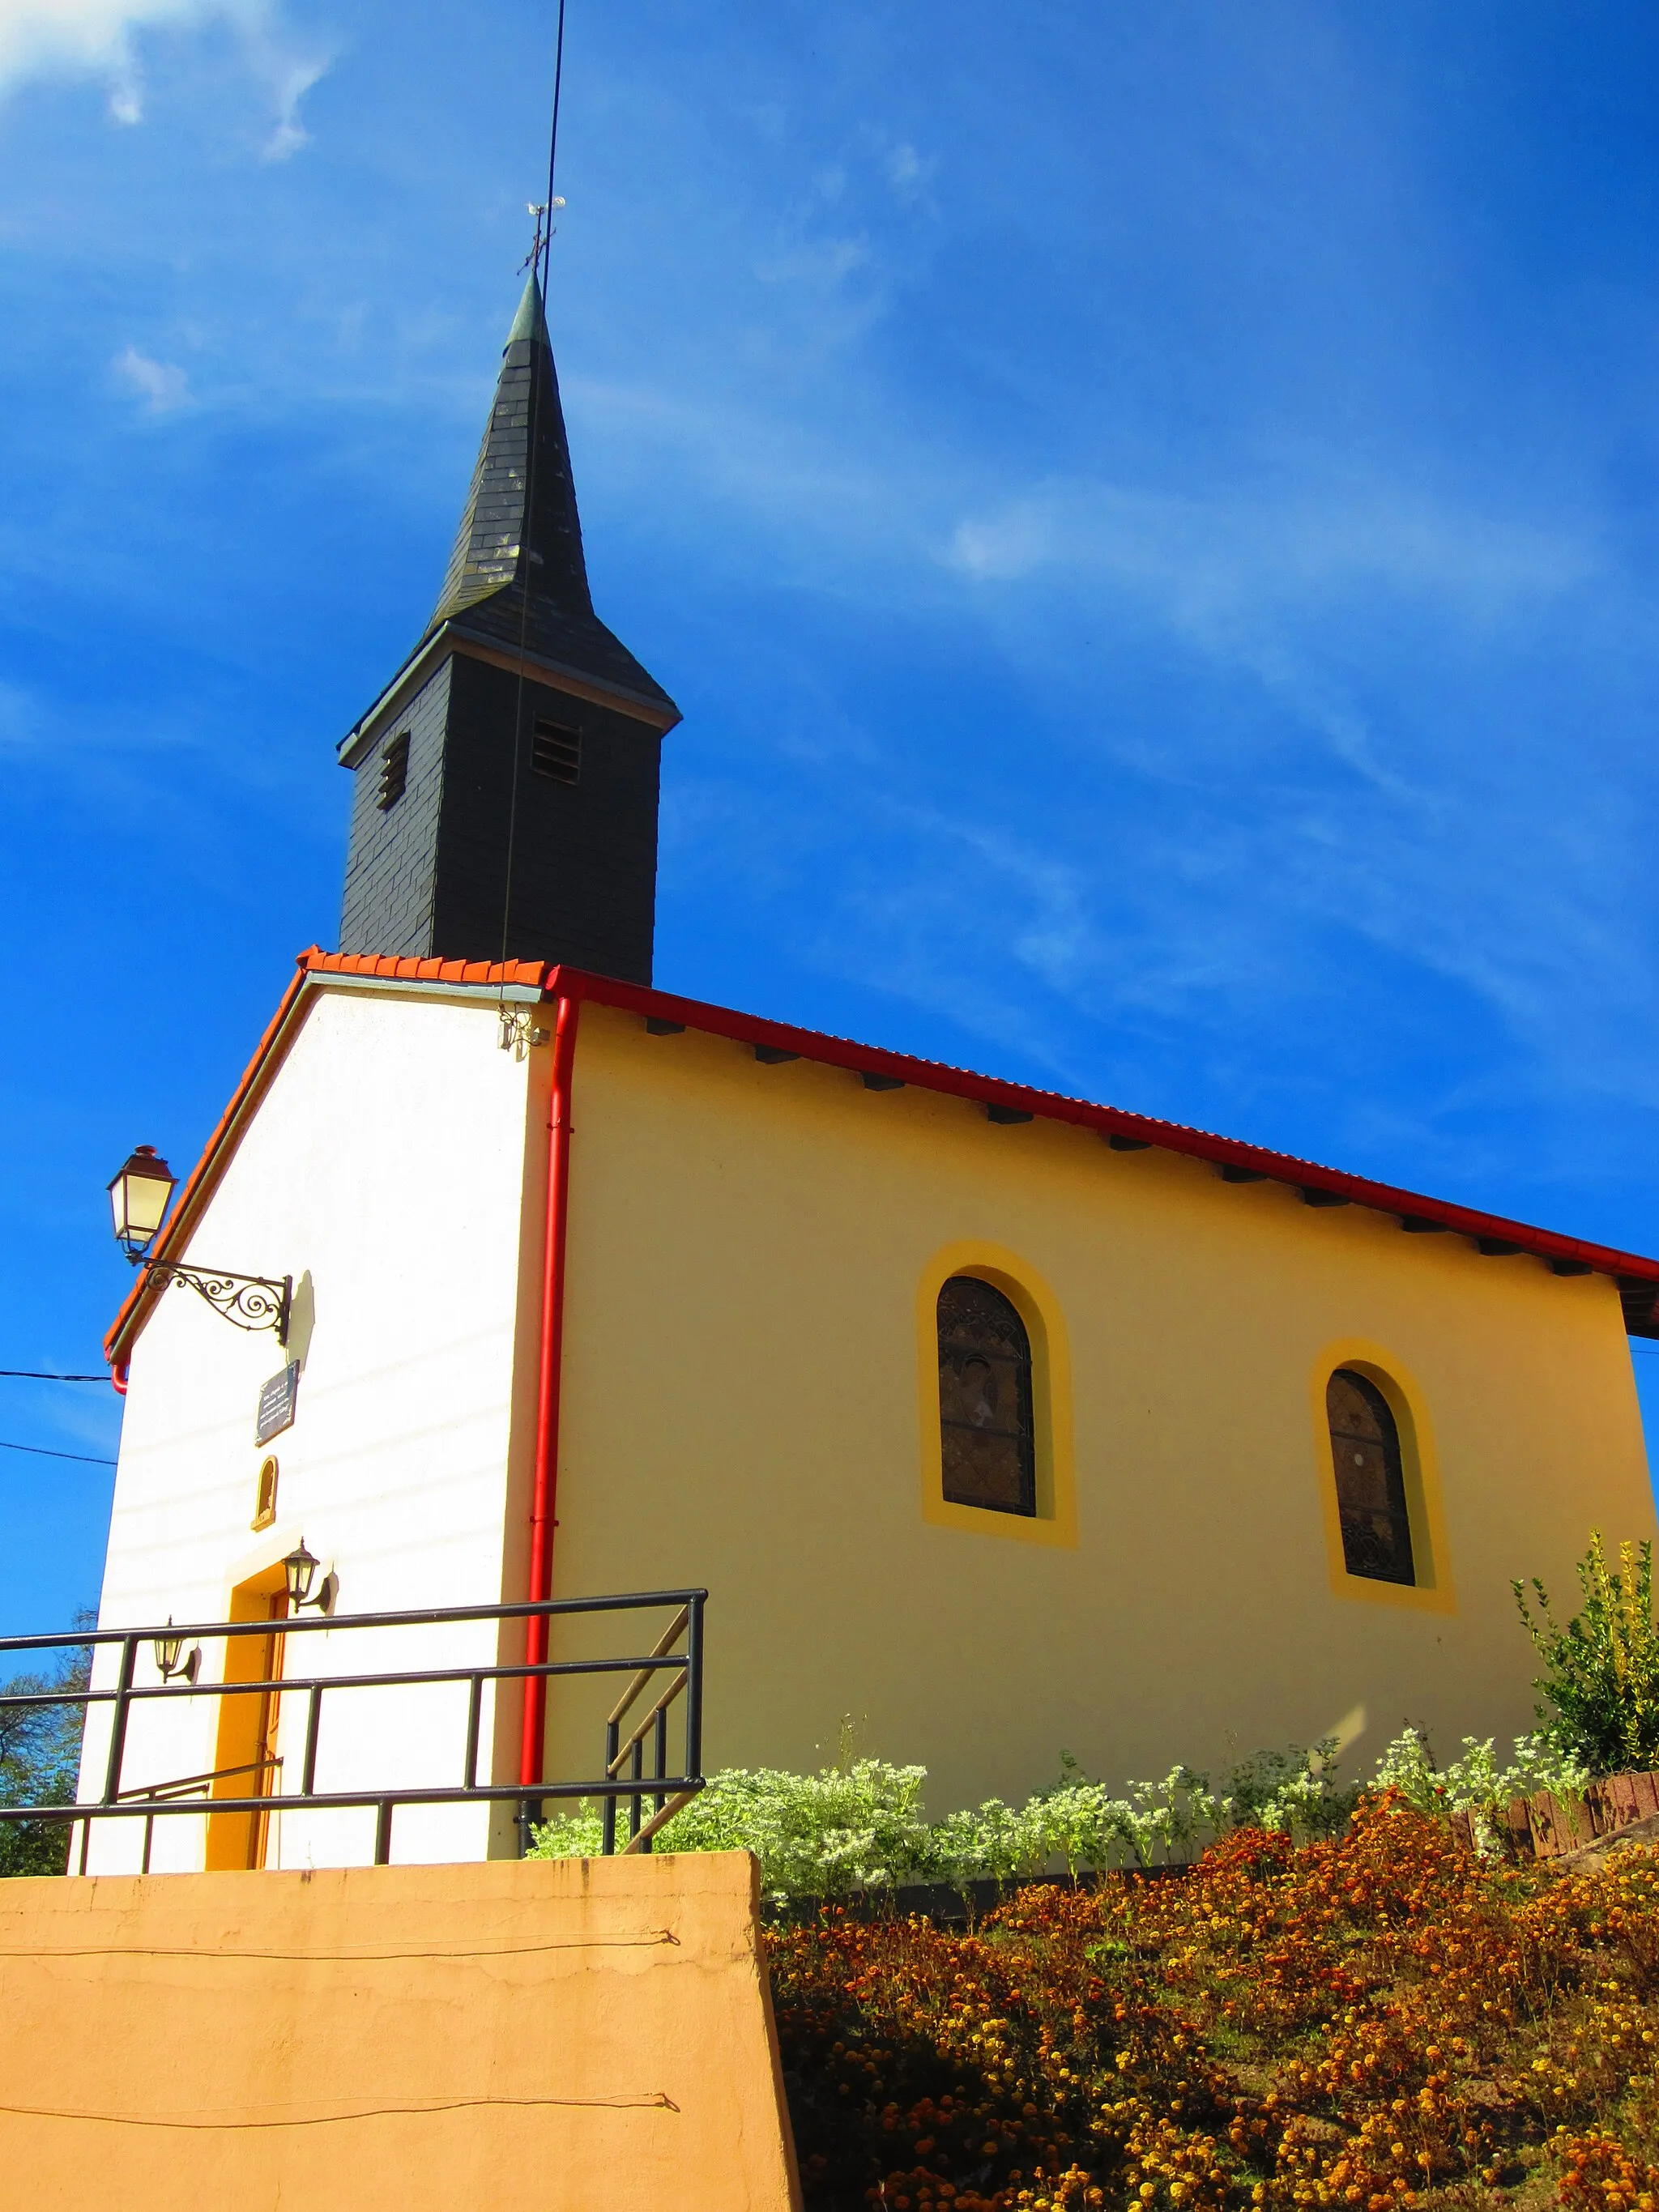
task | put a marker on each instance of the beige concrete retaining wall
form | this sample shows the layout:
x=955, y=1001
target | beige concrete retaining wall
x=563, y=2036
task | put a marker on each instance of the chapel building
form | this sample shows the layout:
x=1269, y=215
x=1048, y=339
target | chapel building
x=1001, y=1422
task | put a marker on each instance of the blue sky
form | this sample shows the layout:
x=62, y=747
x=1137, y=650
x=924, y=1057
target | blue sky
x=1152, y=516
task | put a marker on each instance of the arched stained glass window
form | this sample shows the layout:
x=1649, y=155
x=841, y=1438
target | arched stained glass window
x=985, y=1399
x=1370, y=1487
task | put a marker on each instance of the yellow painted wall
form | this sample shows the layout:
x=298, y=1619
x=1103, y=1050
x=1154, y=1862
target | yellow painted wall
x=528, y=2036
x=748, y=1246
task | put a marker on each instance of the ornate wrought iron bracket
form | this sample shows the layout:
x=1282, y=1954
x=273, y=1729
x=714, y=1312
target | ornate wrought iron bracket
x=250, y=1302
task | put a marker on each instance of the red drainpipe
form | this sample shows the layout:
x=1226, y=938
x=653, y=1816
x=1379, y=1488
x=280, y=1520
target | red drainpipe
x=544, y=1493
x=118, y=1376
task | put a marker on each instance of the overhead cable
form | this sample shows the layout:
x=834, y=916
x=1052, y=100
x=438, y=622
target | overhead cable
x=39, y=1451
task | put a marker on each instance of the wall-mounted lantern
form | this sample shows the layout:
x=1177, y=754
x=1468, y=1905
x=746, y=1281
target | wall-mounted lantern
x=301, y=1568
x=171, y=1656
x=138, y=1194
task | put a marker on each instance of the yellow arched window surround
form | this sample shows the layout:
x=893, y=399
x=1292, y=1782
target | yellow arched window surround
x=1431, y=1591
x=1054, y=1521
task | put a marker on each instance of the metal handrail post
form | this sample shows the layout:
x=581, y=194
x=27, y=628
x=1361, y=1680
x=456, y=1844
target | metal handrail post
x=694, y=1674
x=117, y=1732
x=612, y=1736
x=313, y=1717
x=474, y=1720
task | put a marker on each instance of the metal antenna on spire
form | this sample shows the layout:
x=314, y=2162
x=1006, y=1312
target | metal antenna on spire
x=514, y=1036
x=553, y=199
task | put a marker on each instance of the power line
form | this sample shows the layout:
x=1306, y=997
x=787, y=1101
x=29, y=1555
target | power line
x=39, y=1451
x=553, y=151
x=40, y=1375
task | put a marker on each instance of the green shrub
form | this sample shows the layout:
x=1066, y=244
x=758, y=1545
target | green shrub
x=855, y=1826
x=1601, y=1678
x=1292, y=1790
x=859, y=1825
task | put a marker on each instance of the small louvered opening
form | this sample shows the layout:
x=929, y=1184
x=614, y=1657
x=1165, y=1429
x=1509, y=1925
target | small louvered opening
x=394, y=772
x=558, y=753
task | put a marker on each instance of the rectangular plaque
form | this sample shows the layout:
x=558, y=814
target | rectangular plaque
x=276, y=1400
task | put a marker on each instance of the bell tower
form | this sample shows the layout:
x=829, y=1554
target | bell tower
x=505, y=782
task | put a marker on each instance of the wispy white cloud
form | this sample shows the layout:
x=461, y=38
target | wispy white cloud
x=1252, y=576
x=825, y=261
x=1043, y=902
x=1279, y=880
x=907, y=171
x=100, y=38
x=63, y=38
x=20, y=718
x=1204, y=558
x=853, y=494
x=1248, y=577
x=162, y=386
x=288, y=78
x=924, y=905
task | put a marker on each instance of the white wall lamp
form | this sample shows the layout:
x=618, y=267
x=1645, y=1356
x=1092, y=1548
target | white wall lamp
x=300, y=1569
x=172, y=1660
x=138, y=1194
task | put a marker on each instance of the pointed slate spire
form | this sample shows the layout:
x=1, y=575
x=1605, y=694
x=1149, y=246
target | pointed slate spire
x=516, y=574
x=490, y=545
x=507, y=779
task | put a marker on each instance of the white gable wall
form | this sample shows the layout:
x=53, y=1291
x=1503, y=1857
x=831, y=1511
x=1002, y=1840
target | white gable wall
x=384, y=1168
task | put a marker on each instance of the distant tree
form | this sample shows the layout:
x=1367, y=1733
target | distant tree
x=40, y=1760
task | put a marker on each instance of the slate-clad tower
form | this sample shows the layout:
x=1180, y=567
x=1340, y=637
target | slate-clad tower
x=513, y=633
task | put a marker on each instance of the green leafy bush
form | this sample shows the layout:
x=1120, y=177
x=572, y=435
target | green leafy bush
x=1600, y=1678
x=859, y=1825
x=850, y=1827
x=1294, y=1791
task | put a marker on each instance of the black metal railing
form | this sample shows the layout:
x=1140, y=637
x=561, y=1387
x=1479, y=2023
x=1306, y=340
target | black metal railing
x=676, y=1653
x=148, y=1795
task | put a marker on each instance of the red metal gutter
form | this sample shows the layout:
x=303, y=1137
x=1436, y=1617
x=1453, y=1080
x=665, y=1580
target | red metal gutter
x=544, y=1491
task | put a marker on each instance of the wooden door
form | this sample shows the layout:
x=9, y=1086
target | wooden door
x=247, y=1763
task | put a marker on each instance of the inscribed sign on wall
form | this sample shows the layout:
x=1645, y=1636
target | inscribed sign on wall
x=276, y=1399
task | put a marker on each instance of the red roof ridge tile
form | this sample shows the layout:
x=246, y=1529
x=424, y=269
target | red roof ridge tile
x=407, y=967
